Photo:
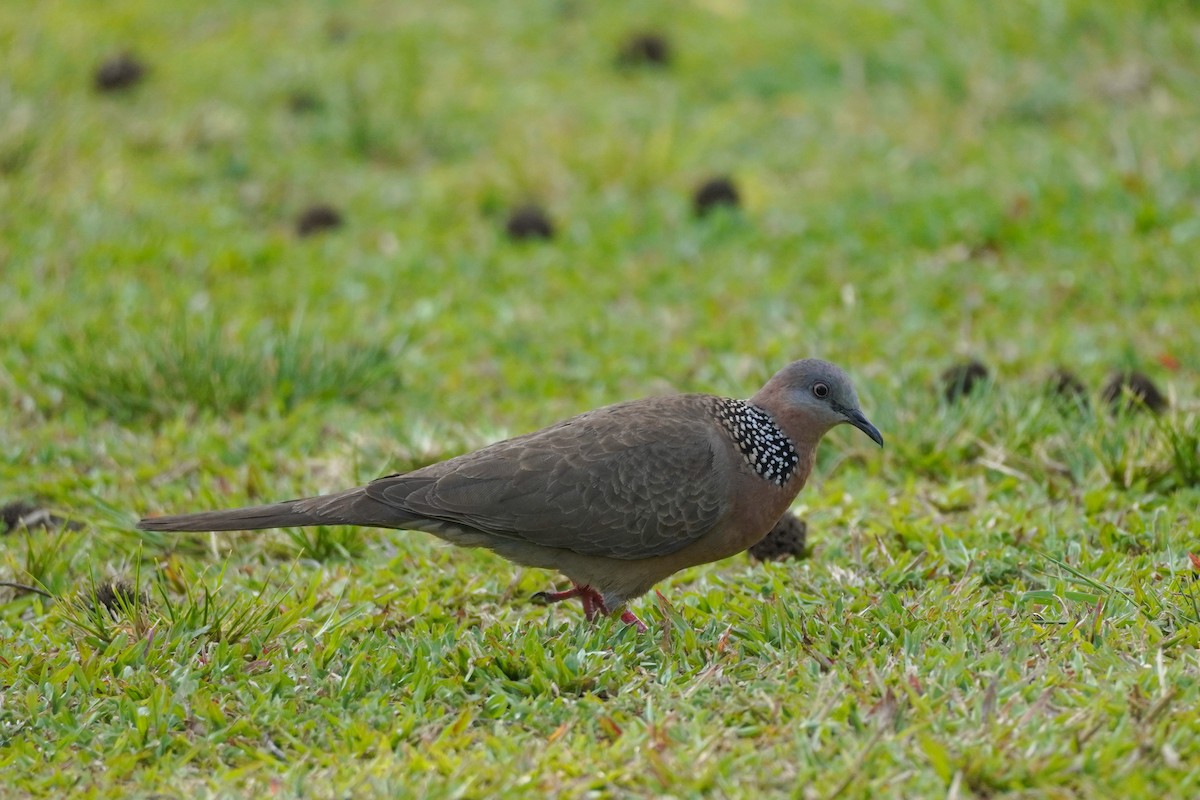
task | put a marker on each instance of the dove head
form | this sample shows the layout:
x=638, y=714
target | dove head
x=807, y=398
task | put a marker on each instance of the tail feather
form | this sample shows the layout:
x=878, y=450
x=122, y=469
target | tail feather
x=347, y=508
x=275, y=515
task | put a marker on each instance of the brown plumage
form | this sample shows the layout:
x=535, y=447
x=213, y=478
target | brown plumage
x=616, y=499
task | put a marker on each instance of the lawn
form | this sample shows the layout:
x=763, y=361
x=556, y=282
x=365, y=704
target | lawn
x=1001, y=603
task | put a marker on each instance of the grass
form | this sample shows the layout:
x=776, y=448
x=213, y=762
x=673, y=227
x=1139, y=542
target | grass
x=199, y=368
x=999, y=604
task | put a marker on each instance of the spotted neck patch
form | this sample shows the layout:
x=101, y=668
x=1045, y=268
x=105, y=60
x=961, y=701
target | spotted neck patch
x=764, y=446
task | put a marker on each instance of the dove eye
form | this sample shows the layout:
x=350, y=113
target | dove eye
x=821, y=390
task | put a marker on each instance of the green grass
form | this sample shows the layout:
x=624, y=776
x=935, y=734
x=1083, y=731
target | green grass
x=129, y=378
x=999, y=604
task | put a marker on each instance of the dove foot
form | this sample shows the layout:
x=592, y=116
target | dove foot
x=592, y=601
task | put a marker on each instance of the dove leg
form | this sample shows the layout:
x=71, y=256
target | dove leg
x=546, y=598
x=589, y=597
x=592, y=601
x=593, y=604
x=629, y=618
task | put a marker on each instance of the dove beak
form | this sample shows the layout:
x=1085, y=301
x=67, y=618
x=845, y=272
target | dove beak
x=860, y=421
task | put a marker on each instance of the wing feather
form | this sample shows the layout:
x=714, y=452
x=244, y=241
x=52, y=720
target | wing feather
x=629, y=481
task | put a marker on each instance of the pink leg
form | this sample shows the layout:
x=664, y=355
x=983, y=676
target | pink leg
x=593, y=604
x=587, y=598
x=545, y=598
x=629, y=618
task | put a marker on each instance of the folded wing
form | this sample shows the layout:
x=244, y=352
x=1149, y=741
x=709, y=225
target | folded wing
x=629, y=481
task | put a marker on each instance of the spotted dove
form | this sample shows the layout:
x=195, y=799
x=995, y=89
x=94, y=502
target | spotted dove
x=616, y=499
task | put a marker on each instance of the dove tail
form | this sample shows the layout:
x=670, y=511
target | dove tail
x=347, y=508
x=276, y=515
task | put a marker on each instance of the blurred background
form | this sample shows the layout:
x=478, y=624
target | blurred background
x=904, y=185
